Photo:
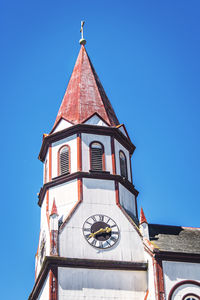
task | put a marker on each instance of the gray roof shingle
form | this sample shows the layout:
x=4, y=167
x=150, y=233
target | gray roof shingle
x=175, y=238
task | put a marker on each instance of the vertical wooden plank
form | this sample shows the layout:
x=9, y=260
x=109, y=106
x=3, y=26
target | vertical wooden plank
x=50, y=162
x=80, y=189
x=158, y=278
x=113, y=155
x=53, y=283
x=117, y=193
x=79, y=152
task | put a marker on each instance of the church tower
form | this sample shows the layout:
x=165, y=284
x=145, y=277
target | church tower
x=90, y=245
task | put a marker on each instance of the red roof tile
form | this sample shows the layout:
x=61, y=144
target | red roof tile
x=85, y=95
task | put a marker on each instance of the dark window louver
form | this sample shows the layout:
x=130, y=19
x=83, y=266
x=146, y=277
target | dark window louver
x=96, y=157
x=123, y=166
x=64, y=161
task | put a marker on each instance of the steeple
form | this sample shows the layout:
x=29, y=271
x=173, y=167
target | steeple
x=142, y=217
x=85, y=95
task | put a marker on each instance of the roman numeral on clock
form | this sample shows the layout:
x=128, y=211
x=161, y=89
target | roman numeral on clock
x=115, y=232
x=94, y=219
x=94, y=242
x=112, y=238
x=101, y=218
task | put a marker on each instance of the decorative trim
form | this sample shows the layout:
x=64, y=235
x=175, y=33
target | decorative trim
x=54, y=242
x=50, y=162
x=96, y=113
x=182, y=283
x=59, y=120
x=72, y=211
x=53, y=283
x=177, y=256
x=117, y=193
x=36, y=256
x=79, y=152
x=136, y=206
x=158, y=279
x=122, y=125
x=96, y=175
x=113, y=155
x=52, y=263
x=84, y=128
x=80, y=189
x=146, y=295
x=45, y=171
x=130, y=220
x=130, y=168
x=120, y=151
x=47, y=209
x=58, y=159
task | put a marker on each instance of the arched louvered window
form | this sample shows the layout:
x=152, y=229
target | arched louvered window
x=64, y=160
x=123, y=164
x=97, y=156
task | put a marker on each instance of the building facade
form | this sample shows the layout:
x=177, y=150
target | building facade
x=92, y=245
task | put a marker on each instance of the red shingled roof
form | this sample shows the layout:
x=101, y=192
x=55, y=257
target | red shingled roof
x=85, y=95
x=142, y=217
x=54, y=209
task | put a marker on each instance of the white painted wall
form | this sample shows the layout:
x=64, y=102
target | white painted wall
x=44, y=230
x=93, y=284
x=150, y=278
x=144, y=228
x=65, y=195
x=105, y=140
x=175, y=272
x=95, y=120
x=63, y=124
x=123, y=131
x=99, y=198
x=127, y=199
x=71, y=141
x=119, y=147
x=44, y=293
x=46, y=159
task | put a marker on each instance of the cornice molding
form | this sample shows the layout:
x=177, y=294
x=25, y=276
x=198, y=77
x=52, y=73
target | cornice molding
x=85, y=128
x=98, y=175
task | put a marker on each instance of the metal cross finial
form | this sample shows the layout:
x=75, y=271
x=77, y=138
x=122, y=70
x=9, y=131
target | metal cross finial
x=82, y=24
x=82, y=40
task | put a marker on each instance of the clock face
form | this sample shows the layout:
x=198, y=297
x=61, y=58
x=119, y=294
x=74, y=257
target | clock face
x=101, y=231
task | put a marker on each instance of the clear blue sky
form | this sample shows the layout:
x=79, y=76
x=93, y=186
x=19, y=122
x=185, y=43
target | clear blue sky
x=146, y=54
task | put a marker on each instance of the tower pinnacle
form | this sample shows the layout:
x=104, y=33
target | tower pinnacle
x=82, y=41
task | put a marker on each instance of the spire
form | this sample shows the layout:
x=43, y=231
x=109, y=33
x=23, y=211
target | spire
x=54, y=209
x=85, y=95
x=142, y=217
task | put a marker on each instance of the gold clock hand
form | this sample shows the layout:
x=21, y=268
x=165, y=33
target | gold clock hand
x=101, y=230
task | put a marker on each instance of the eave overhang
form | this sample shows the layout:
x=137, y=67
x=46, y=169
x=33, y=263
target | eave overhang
x=159, y=254
x=94, y=175
x=57, y=261
x=84, y=128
